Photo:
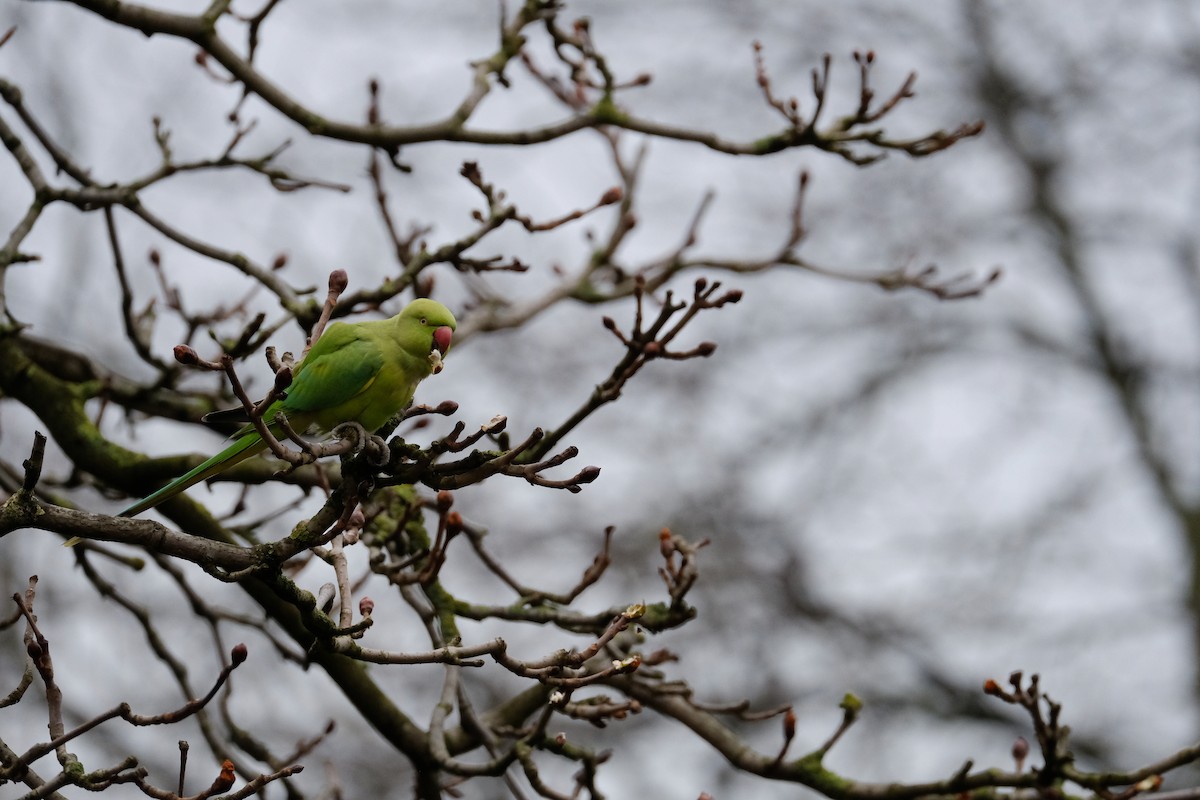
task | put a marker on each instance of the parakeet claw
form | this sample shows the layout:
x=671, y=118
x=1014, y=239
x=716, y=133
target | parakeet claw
x=377, y=451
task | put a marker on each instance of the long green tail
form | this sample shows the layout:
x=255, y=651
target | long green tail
x=249, y=445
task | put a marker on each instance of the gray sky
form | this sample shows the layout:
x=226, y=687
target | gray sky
x=981, y=510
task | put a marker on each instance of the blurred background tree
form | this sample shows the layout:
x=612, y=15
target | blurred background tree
x=903, y=495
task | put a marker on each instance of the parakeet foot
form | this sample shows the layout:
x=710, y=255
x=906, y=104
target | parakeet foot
x=374, y=447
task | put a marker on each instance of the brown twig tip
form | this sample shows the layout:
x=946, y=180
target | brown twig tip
x=186, y=355
x=445, y=499
x=280, y=262
x=338, y=281
x=283, y=379
x=990, y=686
x=706, y=349
x=665, y=546
x=238, y=654
x=225, y=779
x=1020, y=750
x=587, y=474
x=33, y=464
x=613, y=195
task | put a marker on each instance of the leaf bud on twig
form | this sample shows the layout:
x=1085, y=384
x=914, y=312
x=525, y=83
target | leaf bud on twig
x=224, y=781
x=1020, y=750
x=445, y=499
x=238, y=654
x=851, y=704
x=366, y=606
x=186, y=355
x=613, y=195
x=338, y=281
x=283, y=379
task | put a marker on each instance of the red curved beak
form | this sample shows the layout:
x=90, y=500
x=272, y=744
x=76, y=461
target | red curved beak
x=441, y=339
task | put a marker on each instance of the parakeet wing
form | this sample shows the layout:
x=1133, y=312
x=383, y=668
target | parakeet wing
x=344, y=362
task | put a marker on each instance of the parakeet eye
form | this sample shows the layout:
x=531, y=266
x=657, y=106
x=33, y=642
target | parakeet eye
x=424, y=321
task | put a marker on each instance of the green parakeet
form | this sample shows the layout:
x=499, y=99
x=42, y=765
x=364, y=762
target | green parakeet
x=364, y=372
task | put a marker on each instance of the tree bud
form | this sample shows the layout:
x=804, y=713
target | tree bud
x=338, y=281
x=186, y=355
x=283, y=379
x=238, y=654
x=225, y=780
x=1020, y=750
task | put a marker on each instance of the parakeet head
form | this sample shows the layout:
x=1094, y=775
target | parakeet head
x=433, y=327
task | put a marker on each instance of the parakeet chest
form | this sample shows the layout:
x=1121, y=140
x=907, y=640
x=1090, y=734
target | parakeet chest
x=388, y=393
